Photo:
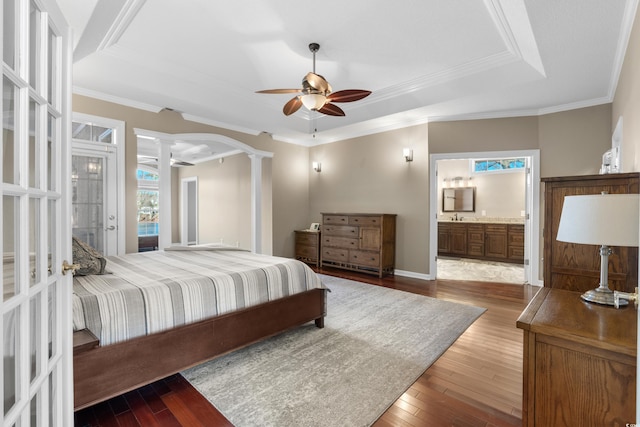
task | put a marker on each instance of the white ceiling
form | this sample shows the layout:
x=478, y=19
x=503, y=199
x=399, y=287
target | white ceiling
x=424, y=60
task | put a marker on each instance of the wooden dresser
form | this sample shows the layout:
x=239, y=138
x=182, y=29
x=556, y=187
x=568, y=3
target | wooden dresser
x=360, y=242
x=308, y=246
x=577, y=267
x=579, y=362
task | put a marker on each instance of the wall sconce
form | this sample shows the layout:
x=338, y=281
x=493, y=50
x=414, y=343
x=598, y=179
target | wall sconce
x=317, y=166
x=407, y=153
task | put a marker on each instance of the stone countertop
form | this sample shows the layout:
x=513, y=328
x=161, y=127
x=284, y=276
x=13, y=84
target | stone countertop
x=483, y=220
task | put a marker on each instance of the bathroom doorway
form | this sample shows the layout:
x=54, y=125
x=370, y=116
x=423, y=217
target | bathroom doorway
x=514, y=208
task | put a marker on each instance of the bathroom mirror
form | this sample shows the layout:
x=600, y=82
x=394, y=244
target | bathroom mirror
x=461, y=199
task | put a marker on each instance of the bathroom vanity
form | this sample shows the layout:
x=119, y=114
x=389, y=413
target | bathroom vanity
x=501, y=241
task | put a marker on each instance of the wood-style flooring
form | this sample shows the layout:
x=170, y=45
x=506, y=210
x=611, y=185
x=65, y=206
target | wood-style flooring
x=476, y=382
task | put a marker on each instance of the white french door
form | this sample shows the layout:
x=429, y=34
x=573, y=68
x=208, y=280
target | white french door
x=35, y=321
x=97, y=182
x=94, y=202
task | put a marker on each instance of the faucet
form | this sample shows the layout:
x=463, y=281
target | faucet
x=455, y=217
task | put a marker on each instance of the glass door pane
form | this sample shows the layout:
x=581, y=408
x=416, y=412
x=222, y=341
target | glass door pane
x=9, y=147
x=10, y=247
x=87, y=200
x=9, y=33
x=10, y=367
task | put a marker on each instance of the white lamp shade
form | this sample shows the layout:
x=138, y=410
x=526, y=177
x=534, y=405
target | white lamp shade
x=602, y=219
x=313, y=101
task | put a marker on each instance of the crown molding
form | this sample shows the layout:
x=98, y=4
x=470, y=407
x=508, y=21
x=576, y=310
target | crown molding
x=116, y=99
x=630, y=9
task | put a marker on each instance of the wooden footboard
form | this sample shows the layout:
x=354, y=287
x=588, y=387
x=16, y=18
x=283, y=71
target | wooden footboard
x=104, y=372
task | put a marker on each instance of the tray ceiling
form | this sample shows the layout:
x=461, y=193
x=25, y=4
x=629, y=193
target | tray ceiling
x=424, y=60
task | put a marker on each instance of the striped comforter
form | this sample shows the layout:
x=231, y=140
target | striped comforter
x=153, y=291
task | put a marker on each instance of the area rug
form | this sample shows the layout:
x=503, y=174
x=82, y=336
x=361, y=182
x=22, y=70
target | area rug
x=376, y=342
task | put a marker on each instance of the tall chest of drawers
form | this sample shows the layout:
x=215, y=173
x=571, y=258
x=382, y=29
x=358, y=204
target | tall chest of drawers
x=359, y=242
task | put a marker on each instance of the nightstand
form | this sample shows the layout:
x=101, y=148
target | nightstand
x=579, y=361
x=308, y=246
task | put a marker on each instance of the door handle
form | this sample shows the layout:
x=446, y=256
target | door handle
x=69, y=267
x=109, y=228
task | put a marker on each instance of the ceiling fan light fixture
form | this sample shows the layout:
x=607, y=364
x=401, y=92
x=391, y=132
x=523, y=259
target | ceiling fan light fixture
x=313, y=101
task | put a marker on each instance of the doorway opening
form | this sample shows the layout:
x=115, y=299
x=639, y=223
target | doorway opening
x=493, y=232
x=189, y=211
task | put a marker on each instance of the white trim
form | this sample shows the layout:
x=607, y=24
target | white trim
x=412, y=274
x=532, y=224
x=621, y=48
x=256, y=203
x=164, y=186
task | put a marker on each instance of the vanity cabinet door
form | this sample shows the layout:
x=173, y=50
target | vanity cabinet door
x=458, y=239
x=443, y=238
x=495, y=241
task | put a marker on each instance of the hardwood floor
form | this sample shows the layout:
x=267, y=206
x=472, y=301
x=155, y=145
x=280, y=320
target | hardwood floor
x=476, y=382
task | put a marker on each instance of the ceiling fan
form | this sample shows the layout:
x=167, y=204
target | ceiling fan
x=150, y=160
x=316, y=93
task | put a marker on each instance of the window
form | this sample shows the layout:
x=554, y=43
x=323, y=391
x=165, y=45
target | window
x=147, y=213
x=148, y=203
x=497, y=165
x=86, y=131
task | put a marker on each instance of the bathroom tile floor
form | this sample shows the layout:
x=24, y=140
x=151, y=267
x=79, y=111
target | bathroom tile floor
x=484, y=271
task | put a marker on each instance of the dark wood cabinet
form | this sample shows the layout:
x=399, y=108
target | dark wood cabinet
x=487, y=241
x=308, y=246
x=496, y=241
x=515, y=244
x=579, y=362
x=575, y=266
x=444, y=231
x=475, y=240
x=361, y=242
x=458, y=239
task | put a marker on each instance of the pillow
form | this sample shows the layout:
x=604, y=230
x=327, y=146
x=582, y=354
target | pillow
x=90, y=260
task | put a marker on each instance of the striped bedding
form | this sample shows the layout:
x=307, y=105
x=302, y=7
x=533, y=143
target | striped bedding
x=153, y=291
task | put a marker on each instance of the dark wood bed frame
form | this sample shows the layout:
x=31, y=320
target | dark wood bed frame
x=100, y=373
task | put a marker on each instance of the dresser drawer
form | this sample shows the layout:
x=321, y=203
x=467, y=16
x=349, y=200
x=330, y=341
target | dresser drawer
x=365, y=220
x=335, y=220
x=307, y=239
x=340, y=230
x=339, y=242
x=370, y=259
x=335, y=254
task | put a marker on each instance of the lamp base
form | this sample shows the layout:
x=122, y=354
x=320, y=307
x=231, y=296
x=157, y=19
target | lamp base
x=602, y=296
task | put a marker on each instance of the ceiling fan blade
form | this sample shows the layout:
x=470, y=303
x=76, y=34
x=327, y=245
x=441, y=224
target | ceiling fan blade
x=292, y=106
x=317, y=82
x=279, y=91
x=331, y=110
x=181, y=163
x=348, y=95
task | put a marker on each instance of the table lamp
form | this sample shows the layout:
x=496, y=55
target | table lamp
x=600, y=219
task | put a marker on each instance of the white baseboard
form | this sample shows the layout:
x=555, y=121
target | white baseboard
x=412, y=274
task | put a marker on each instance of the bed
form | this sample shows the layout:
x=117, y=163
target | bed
x=157, y=313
